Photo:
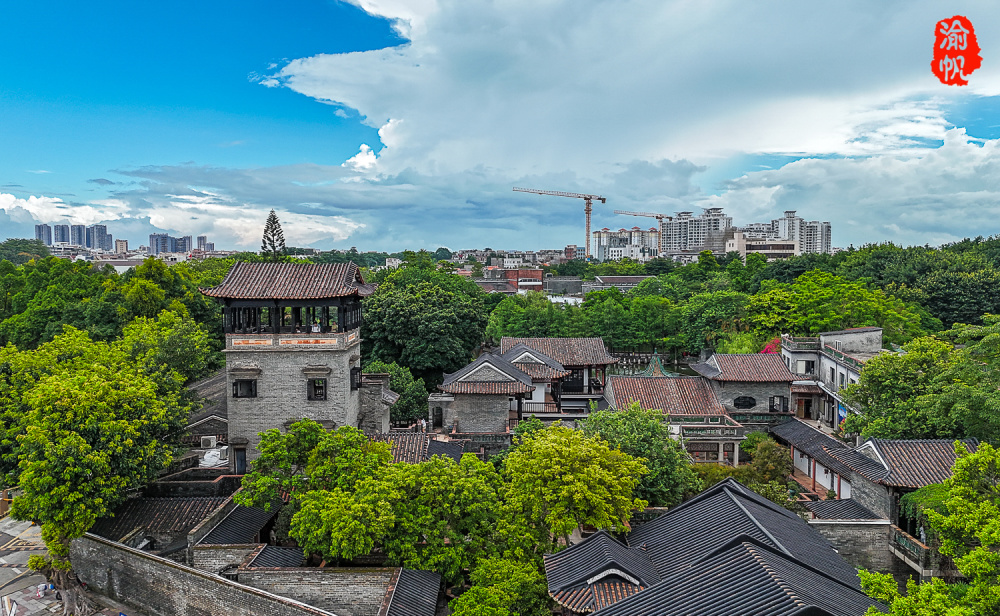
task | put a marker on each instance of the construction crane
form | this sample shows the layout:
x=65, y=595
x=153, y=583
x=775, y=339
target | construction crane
x=587, y=203
x=649, y=214
x=659, y=220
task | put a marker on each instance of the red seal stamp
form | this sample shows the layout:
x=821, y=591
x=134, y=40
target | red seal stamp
x=956, y=52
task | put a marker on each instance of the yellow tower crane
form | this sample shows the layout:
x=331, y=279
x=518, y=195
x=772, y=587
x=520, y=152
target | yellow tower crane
x=587, y=203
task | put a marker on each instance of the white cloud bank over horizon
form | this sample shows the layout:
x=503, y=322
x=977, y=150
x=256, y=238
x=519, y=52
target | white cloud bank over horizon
x=632, y=100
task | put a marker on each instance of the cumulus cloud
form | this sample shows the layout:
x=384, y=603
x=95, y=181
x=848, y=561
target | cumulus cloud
x=582, y=85
x=946, y=193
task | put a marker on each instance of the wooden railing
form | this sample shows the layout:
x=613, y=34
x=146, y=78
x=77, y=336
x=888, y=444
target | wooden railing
x=800, y=343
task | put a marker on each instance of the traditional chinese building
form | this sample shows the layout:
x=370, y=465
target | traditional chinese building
x=754, y=388
x=293, y=351
x=695, y=415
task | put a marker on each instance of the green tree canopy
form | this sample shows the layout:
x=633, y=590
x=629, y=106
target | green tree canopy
x=645, y=435
x=559, y=479
x=412, y=404
x=92, y=426
x=427, y=321
x=273, y=243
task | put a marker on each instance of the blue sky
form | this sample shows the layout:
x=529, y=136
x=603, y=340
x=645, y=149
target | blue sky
x=392, y=124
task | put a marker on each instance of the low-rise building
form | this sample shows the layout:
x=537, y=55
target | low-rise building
x=726, y=552
x=824, y=365
x=622, y=283
x=754, y=388
x=772, y=249
x=695, y=415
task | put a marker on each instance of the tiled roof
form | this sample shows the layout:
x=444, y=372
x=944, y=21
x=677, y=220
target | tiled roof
x=813, y=443
x=807, y=389
x=241, y=525
x=621, y=279
x=687, y=532
x=534, y=363
x=567, y=351
x=840, y=509
x=919, y=462
x=444, y=448
x=489, y=374
x=746, y=368
x=416, y=593
x=746, y=576
x=592, y=597
x=600, y=551
x=275, y=556
x=872, y=470
x=157, y=515
x=212, y=390
x=291, y=281
x=681, y=395
x=416, y=447
x=495, y=388
x=597, y=572
x=541, y=372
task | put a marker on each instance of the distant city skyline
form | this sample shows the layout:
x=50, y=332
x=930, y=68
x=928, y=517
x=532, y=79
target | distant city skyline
x=385, y=125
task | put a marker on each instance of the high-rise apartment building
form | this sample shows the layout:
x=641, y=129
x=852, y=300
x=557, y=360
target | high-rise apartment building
x=161, y=242
x=121, y=246
x=60, y=234
x=43, y=233
x=685, y=232
x=635, y=243
x=202, y=242
x=813, y=236
x=78, y=235
x=97, y=238
x=184, y=244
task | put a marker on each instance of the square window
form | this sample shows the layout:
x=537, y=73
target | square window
x=316, y=389
x=245, y=388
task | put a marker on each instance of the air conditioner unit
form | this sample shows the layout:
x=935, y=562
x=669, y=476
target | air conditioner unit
x=224, y=452
x=208, y=442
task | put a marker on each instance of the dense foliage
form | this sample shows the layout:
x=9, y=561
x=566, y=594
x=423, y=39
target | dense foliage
x=968, y=530
x=938, y=387
x=428, y=321
x=412, y=404
x=645, y=435
x=83, y=422
x=348, y=498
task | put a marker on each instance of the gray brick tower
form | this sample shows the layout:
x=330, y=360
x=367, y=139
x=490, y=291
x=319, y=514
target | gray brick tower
x=293, y=349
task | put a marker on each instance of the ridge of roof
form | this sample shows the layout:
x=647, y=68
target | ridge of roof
x=246, y=280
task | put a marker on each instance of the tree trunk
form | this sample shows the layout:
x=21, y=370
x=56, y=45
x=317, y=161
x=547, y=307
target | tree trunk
x=75, y=599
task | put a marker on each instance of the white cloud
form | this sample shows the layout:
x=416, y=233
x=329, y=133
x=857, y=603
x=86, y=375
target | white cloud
x=55, y=210
x=364, y=160
x=947, y=193
x=528, y=86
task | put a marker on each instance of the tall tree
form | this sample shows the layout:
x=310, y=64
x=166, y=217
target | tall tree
x=645, y=435
x=559, y=480
x=94, y=426
x=273, y=244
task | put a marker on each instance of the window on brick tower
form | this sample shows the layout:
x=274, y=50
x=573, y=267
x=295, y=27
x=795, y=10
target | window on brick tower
x=316, y=389
x=356, y=378
x=245, y=388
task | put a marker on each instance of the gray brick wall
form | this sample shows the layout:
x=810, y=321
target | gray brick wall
x=474, y=413
x=727, y=392
x=215, y=558
x=281, y=390
x=160, y=587
x=345, y=592
x=876, y=497
x=863, y=544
